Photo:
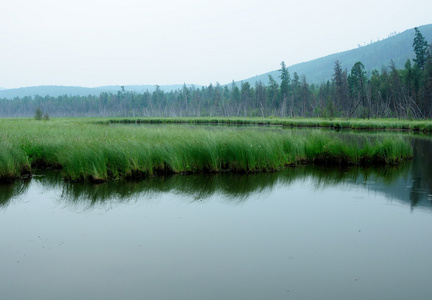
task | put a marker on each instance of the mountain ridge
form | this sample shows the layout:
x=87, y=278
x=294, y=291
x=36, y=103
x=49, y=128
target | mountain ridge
x=397, y=47
x=60, y=90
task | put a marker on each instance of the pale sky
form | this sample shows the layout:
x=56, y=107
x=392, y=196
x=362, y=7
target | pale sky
x=132, y=42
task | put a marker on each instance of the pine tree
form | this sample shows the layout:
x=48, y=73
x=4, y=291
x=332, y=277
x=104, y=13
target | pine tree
x=341, y=87
x=420, y=48
x=38, y=113
x=427, y=85
x=357, y=83
x=284, y=86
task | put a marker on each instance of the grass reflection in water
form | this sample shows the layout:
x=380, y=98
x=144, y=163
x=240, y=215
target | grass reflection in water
x=234, y=188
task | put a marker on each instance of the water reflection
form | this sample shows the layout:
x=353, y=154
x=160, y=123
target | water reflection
x=421, y=172
x=409, y=183
x=302, y=233
x=9, y=191
x=233, y=187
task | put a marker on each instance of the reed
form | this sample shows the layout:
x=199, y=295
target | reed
x=91, y=150
x=13, y=162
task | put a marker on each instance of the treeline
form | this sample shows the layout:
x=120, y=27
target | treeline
x=389, y=92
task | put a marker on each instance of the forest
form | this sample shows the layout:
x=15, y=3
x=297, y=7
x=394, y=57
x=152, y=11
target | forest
x=387, y=93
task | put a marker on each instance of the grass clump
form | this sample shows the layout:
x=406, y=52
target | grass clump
x=91, y=150
x=13, y=162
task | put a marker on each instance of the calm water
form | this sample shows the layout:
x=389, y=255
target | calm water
x=305, y=233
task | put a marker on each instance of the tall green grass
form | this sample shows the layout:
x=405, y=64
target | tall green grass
x=87, y=150
x=13, y=161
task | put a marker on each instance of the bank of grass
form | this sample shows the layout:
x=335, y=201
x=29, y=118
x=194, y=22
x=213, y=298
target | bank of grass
x=356, y=124
x=13, y=161
x=89, y=149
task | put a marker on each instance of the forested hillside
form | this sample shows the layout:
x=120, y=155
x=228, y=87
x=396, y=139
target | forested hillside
x=386, y=92
x=396, y=48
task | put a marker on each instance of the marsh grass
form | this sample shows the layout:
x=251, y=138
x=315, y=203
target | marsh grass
x=13, y=162
x=91, y=151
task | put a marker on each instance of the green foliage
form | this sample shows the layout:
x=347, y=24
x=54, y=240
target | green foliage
x=409, y=115
x=97, y=152
x=384, y=94
x=13, y=161
x=390, y=92
x=420, y=47
x=330, y=110
x=285, y=81
x=357, y=77
x=375, y=55
x=284, y=76
x=38, y=113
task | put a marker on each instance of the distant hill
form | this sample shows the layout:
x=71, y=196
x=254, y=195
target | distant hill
x=54, y=90
x=373, y=56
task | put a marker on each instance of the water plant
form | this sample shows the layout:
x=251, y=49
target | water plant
x=87, y=149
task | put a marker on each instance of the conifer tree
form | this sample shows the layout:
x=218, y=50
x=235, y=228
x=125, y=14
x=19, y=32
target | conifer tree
x=420, y=48
x=38, y=113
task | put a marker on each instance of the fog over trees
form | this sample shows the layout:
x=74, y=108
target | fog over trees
x=389, y=92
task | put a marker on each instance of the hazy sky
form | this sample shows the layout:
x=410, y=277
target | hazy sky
x=104, y=42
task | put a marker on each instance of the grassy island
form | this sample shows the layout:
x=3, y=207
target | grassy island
x=89, y=149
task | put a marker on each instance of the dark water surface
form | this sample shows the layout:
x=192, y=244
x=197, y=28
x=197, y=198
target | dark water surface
x=304, y=233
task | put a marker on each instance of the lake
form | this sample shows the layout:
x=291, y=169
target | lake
x=302, y=233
